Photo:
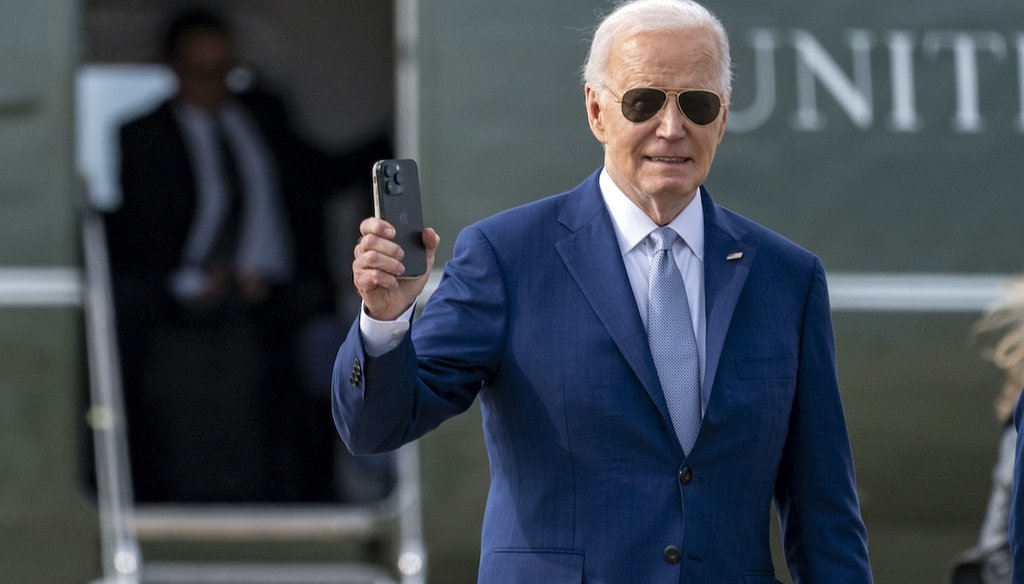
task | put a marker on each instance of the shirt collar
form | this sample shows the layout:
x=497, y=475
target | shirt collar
x=632, y=225
x=197, y=115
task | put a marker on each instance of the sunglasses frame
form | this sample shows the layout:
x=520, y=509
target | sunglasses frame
x=668, y=91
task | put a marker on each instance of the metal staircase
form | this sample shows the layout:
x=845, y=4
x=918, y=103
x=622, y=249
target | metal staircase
x=394, y=523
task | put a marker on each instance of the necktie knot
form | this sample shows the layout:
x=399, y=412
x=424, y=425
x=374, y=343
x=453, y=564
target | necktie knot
x=663, y=238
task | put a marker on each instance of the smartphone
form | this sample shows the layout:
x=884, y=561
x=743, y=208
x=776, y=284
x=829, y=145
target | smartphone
x=396, y=199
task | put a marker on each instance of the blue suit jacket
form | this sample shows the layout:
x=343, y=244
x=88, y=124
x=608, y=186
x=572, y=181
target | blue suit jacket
x=1017, y=499
x=588, y=482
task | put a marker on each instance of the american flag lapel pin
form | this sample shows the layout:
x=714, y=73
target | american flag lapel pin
x=734, y=256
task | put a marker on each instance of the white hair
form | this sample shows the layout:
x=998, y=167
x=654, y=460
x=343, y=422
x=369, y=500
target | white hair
x=638, y=16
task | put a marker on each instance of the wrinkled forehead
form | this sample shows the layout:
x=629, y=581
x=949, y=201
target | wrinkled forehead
x=667, y=58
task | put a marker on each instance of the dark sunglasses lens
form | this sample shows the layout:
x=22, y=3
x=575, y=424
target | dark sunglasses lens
x=640, y=105
x=701, y=107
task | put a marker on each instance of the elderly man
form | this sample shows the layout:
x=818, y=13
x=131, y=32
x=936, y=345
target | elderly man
x=653, y=368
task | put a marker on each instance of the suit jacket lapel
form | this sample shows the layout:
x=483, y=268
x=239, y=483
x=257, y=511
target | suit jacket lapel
x=724, y=276
x=592, y=257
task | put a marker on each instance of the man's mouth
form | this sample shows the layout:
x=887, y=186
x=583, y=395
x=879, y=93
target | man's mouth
x=668, y=159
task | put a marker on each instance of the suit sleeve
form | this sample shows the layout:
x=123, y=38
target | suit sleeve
x=128, y=225
x=1017, y=503
x=381, y=403
x=823, y=533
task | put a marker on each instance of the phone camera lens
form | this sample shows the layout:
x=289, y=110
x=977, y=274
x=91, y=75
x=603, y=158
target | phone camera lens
x=392, y=187
x=390, y=170
x=399, y=178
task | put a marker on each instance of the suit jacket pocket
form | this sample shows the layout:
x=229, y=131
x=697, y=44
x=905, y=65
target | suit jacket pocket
x=782, y=368
x=529, y=566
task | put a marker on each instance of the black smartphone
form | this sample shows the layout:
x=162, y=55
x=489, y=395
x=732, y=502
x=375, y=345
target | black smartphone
x=396, y=199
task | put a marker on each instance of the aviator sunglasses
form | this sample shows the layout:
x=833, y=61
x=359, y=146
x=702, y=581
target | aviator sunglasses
x=700, y=106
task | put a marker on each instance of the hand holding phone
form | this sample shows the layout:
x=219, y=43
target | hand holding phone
x=396, y=199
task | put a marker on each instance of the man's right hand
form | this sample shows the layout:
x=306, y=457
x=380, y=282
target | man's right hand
x=378, y=265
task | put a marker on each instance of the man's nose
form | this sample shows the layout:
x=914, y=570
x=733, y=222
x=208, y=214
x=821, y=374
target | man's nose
x=671, y=121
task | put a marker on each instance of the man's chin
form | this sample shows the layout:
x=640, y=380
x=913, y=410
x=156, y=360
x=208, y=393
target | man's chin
x=671, y=188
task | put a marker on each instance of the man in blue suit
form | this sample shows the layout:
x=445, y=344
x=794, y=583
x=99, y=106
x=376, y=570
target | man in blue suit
x=1016, y=520
x=610, y=461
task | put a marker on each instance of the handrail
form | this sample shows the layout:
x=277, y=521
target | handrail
x=412, y=554
x=122, y=560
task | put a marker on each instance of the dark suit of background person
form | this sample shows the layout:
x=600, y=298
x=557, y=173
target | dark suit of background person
x=536, y=314
x=216, y=409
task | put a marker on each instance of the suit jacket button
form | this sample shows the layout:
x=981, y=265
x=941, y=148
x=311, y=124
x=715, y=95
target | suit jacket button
x=685, y=475
x=357, y=374
x=673, y=555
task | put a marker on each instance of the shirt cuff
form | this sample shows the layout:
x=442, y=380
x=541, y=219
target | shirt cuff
x=187, y=284
x=381, y=336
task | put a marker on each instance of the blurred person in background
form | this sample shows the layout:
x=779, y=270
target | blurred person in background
x=1001, y=331
x=219, y=262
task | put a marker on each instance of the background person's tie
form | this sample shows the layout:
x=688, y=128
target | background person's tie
x=223, y=249
x=670, y=334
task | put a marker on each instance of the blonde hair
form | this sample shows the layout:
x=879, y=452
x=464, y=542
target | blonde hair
x=1005, y=321
x=637, y=16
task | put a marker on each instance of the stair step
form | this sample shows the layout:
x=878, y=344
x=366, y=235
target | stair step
x=259, y=522
x=263, y=573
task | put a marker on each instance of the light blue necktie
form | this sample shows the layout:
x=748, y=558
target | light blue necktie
x=673, y=343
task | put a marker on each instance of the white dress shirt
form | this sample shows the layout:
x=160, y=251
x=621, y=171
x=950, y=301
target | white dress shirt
x=632, y=226
x=264, y=244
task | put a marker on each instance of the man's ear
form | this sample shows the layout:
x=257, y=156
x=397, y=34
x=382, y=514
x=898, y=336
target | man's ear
x=595, y=112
